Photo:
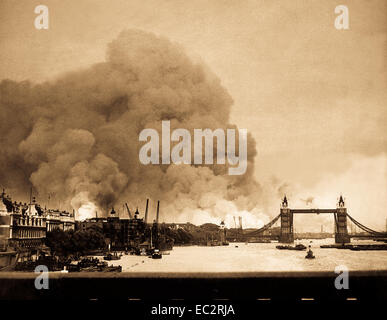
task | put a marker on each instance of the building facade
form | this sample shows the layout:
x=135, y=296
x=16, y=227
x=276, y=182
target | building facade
x=62, y=220
x=25, y=225
x=119, y=233
x=21, y=225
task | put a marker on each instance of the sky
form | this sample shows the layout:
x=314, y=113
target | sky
x=313, y=97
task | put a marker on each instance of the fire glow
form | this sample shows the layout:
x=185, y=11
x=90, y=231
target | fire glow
x=86, y=211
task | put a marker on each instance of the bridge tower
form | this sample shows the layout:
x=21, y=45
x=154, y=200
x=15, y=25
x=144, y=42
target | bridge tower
x=286, y=234
x=341, y=230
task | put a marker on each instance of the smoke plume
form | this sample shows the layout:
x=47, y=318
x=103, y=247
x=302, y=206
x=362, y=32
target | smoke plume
x=76, y=138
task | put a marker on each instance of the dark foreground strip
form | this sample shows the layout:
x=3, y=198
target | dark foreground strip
x=218, y=287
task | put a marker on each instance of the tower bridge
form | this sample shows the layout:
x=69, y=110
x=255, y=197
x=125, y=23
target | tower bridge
x=339, y=213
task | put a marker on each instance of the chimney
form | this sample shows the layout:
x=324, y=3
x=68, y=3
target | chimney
x=157, y=214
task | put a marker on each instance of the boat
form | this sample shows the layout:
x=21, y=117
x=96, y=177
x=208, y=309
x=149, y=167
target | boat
x=73, y=267
x=336, y=246
x=298, y=247
x=8, y=260
x=159, y=239
x=156, y=254
x=213, y=242
x=87, y=262
x=310, y=255
x=92, y=265
x=8, y=256
x=358, y=247
x=362, y=247
x=164, y=243
x=113, y=256
x=112, y=269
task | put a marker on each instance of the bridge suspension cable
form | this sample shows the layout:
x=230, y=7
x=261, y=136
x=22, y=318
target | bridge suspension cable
x=265, y=227
x=366, y=229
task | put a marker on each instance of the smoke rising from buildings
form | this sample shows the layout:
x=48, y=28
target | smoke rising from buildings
x=76, y=138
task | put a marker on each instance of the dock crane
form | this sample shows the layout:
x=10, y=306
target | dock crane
x=127, y=208
x=146, y=211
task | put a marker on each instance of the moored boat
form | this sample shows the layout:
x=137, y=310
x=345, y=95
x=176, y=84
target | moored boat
x=113, y=256
x=298, y=247
x=8, y=260
x=156, y=254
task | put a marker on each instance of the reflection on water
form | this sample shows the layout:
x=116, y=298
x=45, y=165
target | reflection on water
x=241, y=257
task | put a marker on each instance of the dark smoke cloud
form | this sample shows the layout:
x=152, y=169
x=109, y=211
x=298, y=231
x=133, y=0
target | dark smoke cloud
x=76, y=138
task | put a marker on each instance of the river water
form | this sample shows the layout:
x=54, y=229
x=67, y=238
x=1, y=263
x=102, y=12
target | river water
x=241, y=257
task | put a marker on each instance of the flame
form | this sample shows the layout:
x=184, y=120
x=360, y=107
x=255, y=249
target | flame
x=86, y=211
x=83, y=206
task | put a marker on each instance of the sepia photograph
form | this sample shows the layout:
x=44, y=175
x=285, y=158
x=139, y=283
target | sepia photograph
x=190, y=157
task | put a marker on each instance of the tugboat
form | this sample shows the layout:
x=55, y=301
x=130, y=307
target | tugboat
x=223, y=240
x=156, y=254
x=309, y=254
x=113, y=256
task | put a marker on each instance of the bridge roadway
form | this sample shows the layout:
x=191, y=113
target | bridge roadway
x=318, y=211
